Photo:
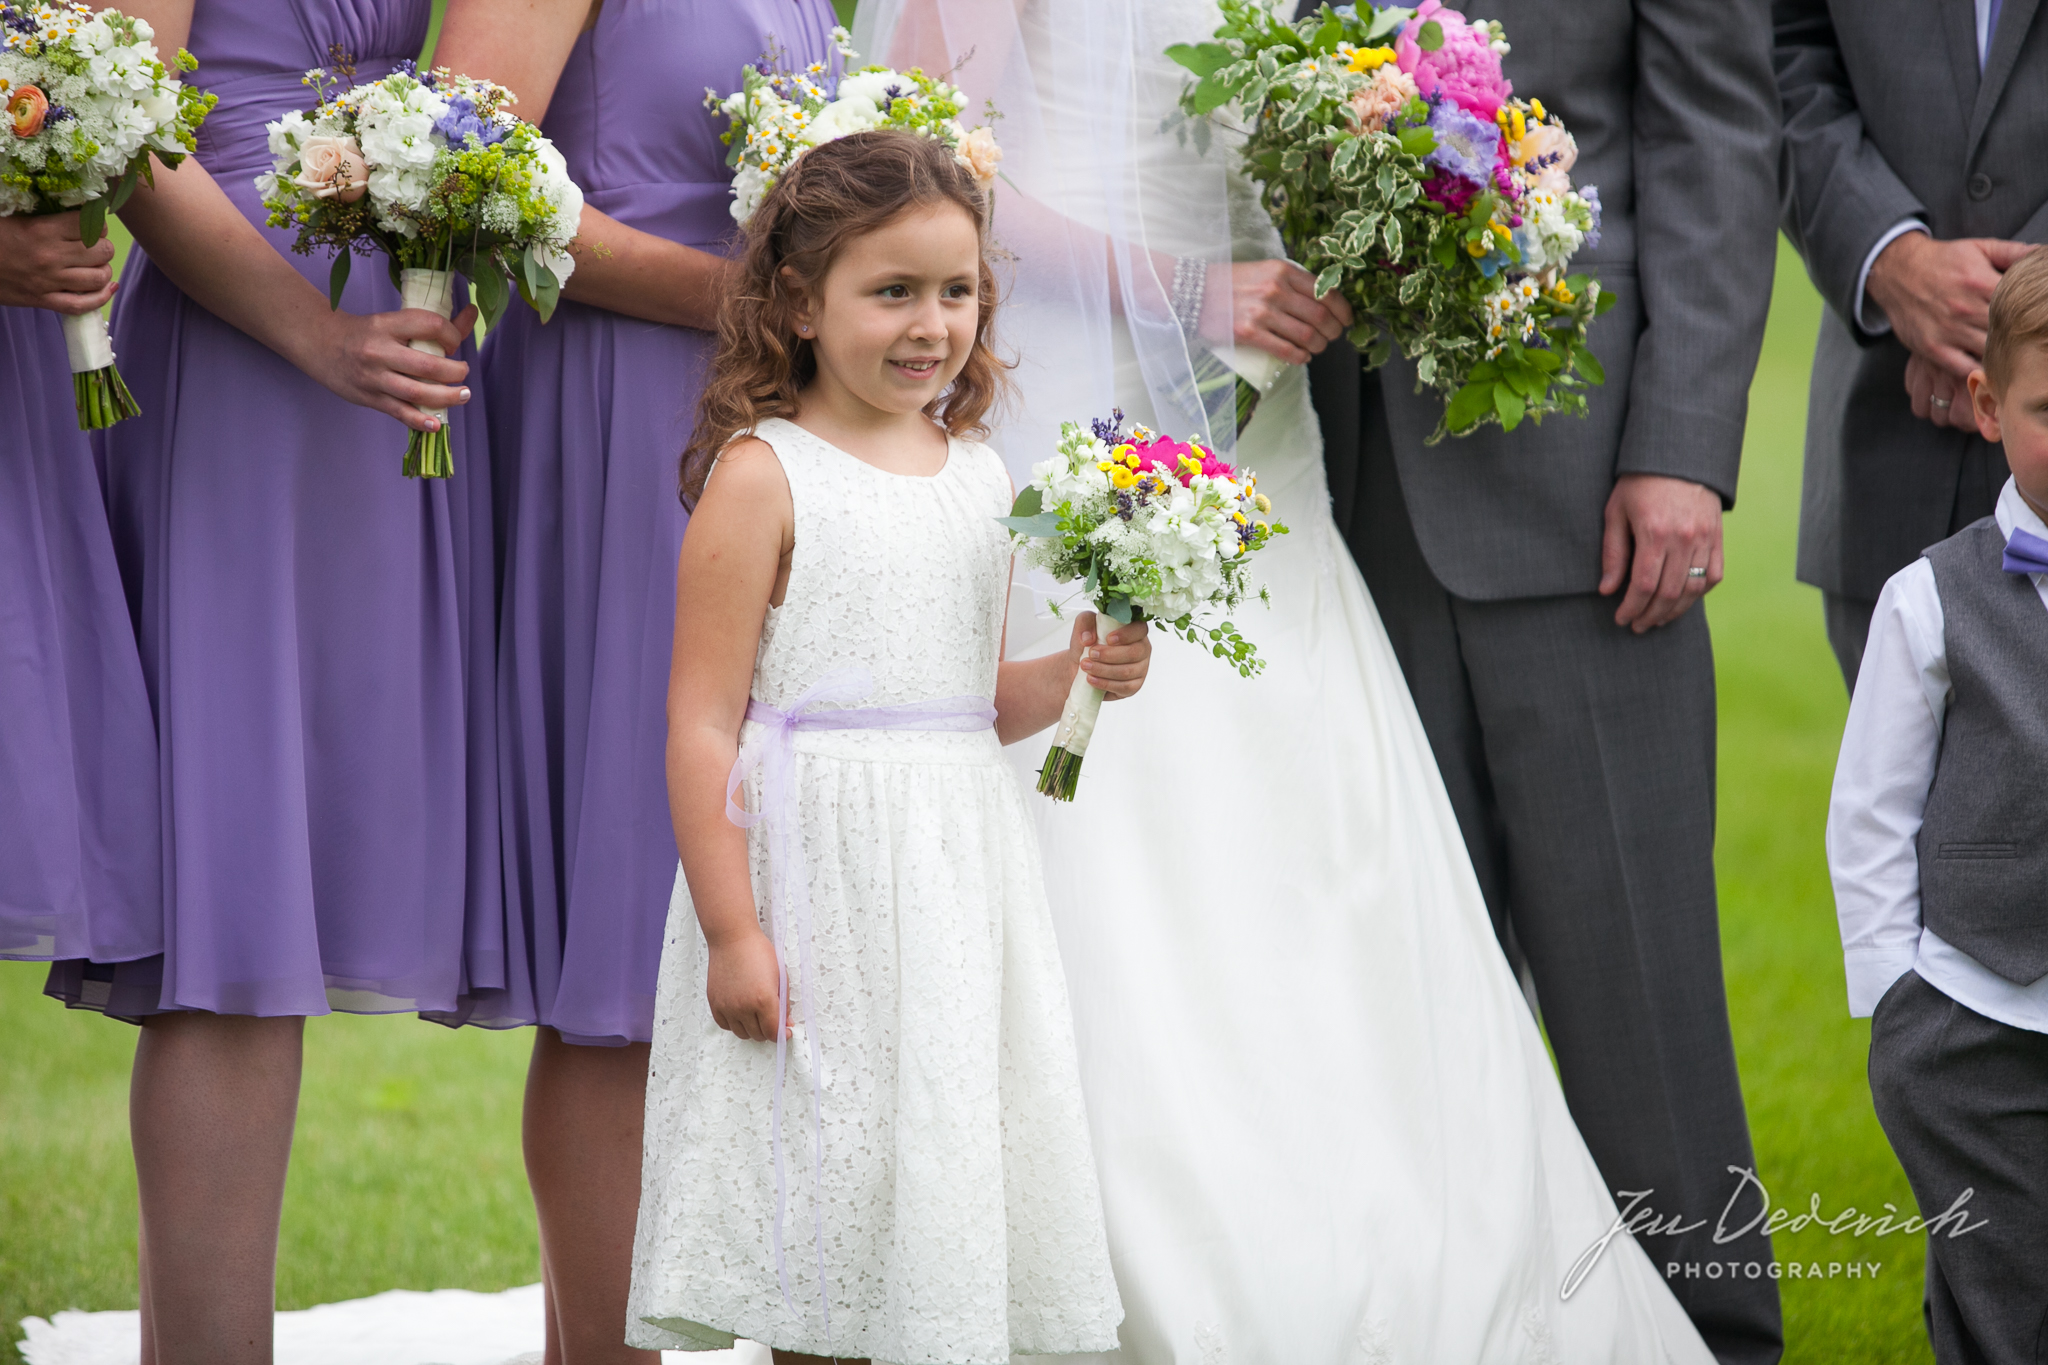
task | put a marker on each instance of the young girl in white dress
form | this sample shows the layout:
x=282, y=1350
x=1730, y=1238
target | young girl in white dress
x=865, y=1133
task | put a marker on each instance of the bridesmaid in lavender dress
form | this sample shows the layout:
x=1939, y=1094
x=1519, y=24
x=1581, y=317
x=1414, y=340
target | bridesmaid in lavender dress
x=316, y=635
x=588, y=417
x=78, y=812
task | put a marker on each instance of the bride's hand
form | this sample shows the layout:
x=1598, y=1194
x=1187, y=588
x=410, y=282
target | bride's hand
x=1116, y=667
x=742, y=985
x=1272, y=305
x=367, y=361
x=45, y=263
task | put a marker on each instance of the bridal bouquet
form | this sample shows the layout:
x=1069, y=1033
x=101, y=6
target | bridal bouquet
x=778, y=115
x=433, y=170
x=1153, y=529
x=88, y=104
x=1401, y=171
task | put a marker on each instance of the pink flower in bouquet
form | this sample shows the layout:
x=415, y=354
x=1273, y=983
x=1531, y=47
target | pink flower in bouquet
x=1465, y=69
x=1170, y=457
x=981, y=156
x=1549, y=153
x=1375, y=105
x=333, y=168
x=27, y=107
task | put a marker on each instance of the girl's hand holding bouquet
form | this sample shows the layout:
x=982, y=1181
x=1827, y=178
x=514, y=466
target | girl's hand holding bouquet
x=1152, y=529
x=87, y=103
x=433, y=170
x=1402, y=171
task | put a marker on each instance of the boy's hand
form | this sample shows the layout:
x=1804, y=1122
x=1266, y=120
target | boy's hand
x=742, y=987
x=1117, y=665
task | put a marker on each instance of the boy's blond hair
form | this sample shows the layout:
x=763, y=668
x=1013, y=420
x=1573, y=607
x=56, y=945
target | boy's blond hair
x=2019, y=316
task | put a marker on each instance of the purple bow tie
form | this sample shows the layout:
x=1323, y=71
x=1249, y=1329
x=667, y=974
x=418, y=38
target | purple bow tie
x=2026, y=552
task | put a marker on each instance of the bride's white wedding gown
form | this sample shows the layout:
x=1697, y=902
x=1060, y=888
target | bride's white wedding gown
x=1327, y=1127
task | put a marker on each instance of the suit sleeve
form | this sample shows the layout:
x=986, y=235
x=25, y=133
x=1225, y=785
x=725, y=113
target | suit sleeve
x=1705, y=151
x=1839, y=193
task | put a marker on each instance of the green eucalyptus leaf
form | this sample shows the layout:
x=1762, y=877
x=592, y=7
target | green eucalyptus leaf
x=1029, y=503
x=1204, y=59
x=337, y=277
x=1035, y=527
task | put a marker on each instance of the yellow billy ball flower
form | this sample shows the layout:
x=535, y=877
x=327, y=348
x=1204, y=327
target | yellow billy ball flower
x=1262, y=502
x=1104, y=466
x=1536, y=108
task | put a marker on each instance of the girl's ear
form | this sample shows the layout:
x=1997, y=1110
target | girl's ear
x=800, y=316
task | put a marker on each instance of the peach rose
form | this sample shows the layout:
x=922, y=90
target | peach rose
x=1376, y=104
x=980, y=155
x=26, y=109
x=1552, y=152
x=333, y=168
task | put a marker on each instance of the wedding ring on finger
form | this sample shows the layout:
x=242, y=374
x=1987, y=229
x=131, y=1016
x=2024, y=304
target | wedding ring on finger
x=1940, y=404
x=1696, y=572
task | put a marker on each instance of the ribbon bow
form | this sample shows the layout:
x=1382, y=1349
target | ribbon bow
x=2026, y=552
x=773, y=752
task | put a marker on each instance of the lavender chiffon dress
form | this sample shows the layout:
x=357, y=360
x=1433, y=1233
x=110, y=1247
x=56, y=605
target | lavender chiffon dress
x=78, y=813
x=589, y=415
x=316, y=629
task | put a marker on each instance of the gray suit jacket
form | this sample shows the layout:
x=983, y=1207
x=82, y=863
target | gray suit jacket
x=1887, y=117
x=1676, y=117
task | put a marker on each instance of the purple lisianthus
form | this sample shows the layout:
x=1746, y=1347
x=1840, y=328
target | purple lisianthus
x=460, y=124
x=1467, y=146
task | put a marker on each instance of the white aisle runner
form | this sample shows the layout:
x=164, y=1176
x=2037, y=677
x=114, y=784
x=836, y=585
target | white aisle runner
x=397, y=1327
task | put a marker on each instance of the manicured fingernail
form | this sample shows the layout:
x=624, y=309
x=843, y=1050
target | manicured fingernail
x=464, y=393
x=433, y=424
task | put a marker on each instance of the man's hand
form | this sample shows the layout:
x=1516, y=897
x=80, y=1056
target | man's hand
x=1938, y=297
x=1939, y=396
x=1658, y=529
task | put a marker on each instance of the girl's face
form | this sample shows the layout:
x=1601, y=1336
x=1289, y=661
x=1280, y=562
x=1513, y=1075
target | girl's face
x=893, y=322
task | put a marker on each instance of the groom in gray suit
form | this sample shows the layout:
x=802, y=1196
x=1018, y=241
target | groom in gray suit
x=1537, y=587
x=1914, y=175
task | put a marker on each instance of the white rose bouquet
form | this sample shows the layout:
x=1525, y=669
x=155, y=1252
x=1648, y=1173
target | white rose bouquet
x=88, y=103
x=1153, y=529
x=779, y=115
x=433, y=170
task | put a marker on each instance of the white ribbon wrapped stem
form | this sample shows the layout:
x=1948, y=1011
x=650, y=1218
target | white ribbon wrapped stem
x=1084, y=704
x=86, y=342
x=433, y=290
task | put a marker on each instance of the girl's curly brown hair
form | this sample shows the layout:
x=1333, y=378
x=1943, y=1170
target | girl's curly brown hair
x=833, y=194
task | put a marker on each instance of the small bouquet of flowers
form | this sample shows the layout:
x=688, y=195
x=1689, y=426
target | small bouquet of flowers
x=433, y=170
x=1401, y=170
x=88, y=104
x=1153, y=529
x=779, y=115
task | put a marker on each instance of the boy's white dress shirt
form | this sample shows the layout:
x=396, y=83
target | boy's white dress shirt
x=1889, y=750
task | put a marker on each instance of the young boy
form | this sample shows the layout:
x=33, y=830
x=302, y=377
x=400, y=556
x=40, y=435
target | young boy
x=1938, y=848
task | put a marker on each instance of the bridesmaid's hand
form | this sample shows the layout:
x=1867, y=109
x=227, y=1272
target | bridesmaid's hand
x=1117, y=666
x=45, y=263
x=367, y=361
x=742, y=985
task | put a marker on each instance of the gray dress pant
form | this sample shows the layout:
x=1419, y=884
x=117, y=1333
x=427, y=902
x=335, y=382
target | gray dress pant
x=1579, y=758
x=1964, y=1100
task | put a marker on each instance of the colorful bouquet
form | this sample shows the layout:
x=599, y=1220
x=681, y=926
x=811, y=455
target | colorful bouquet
x=1153, y=529
x=779, y=115
x=433, y=170
x=88, y=104
x=1401, y=171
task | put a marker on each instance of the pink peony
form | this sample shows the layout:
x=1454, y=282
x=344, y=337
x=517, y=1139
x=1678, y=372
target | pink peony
x=1164, y=455
x=1465, y=69
x=1375, y=105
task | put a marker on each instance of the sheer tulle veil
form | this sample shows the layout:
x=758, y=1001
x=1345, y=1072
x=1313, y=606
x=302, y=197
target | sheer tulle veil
x=1107, y=194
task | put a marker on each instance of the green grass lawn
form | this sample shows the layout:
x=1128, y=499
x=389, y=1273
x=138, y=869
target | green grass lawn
x=407, y=1170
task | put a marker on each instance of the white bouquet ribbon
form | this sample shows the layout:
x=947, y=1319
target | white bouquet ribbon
x=87, y=343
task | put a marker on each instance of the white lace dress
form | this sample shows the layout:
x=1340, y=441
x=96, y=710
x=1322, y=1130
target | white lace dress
x=961, y=1218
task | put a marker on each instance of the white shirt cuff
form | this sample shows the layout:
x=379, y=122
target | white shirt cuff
x=1872, y=321
x=1871, y=972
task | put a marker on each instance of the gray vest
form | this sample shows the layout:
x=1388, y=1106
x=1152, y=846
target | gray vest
x=1984, y=843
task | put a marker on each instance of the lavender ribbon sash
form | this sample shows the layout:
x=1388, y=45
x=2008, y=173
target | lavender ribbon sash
x=773, y=751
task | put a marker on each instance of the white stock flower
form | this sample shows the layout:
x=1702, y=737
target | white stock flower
x=560, y=263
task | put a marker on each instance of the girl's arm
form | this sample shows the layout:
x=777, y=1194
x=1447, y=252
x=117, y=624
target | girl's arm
x=1031, y=692
x=523, y=45
x=735, y=562
x=196, y=236
x=45, y=263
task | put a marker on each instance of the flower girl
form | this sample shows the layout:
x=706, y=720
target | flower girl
x=865, y=1134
